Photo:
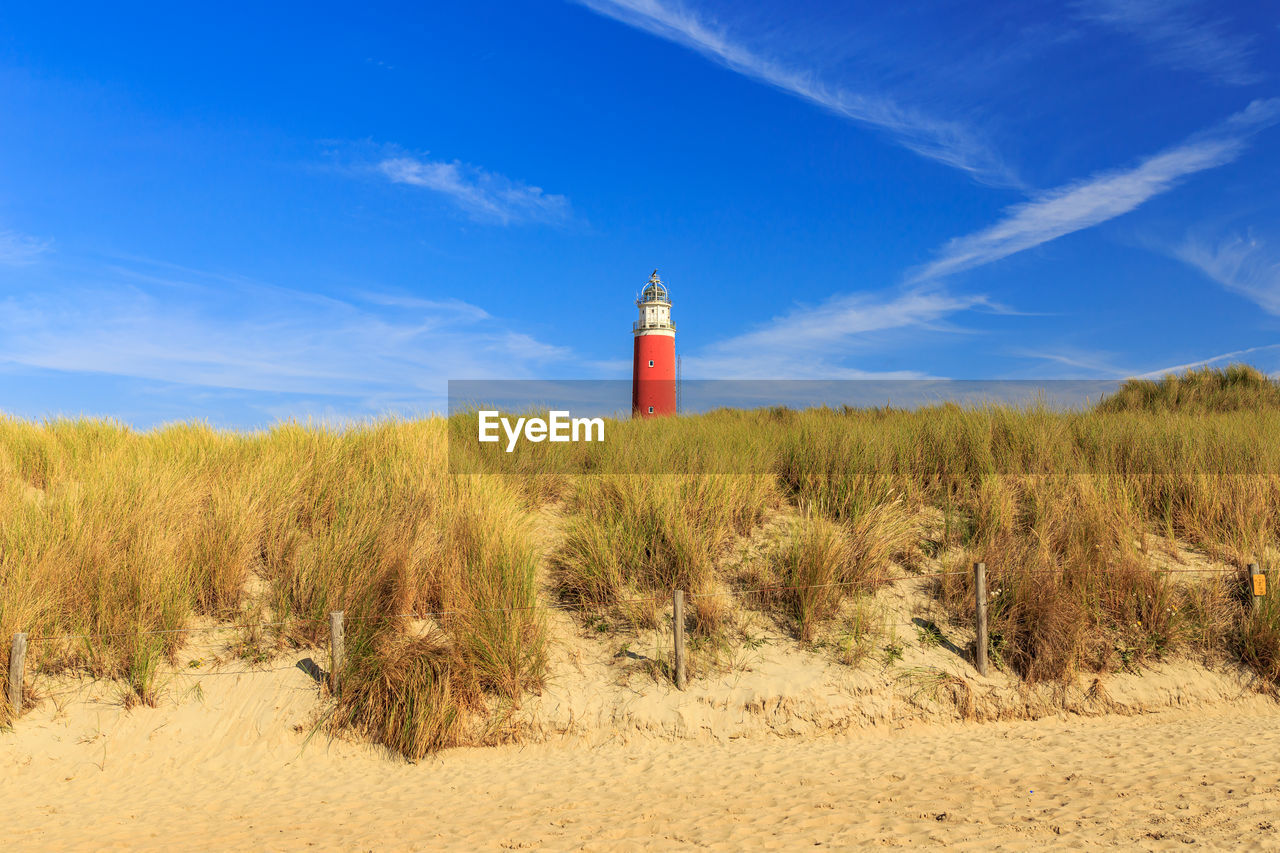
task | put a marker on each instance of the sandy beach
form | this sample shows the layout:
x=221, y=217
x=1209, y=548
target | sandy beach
x=233, y=767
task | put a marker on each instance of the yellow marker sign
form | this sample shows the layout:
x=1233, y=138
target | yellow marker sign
x=1259, y=584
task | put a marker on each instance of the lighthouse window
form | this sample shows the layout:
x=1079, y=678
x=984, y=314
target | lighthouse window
x=651, y=362
x=651, y=410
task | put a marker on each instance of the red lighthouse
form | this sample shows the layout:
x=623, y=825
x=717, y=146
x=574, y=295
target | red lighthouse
x=653, y=373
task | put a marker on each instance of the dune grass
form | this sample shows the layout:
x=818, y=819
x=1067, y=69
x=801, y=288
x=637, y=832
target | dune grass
x=630, y=540
x=106, y=538
x=109, y=535
x=817, y=567
x=1237, y=387
x=1060, y=505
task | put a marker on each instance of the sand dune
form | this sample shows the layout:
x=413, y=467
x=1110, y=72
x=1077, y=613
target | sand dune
x=233, y=768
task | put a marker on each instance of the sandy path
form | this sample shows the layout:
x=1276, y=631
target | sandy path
x=230, y=772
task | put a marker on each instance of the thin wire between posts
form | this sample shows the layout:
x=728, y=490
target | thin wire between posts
x=185, y=673
x=563, y=608
x=207, y=629
x=746, y=592
x=337, y=619
x=191, y=673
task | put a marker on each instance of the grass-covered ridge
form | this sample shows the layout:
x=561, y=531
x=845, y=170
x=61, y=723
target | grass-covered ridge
x=115, y=533
x=1235, y=388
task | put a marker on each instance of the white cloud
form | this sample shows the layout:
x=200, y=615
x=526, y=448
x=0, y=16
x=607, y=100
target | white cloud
x=232, y=334
x=1204, y=362
x=1101, y=197
x=1242, y=265
x=1093, y=362
x=486, y=196
x=1097, y=363
x=19, y=249
x=944, y=141
x=1179, y=36
x=814, y=342
x=450, y=305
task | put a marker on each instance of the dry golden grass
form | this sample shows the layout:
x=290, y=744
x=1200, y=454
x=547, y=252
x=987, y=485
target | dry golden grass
x=108, y=535
x=1235, y=388
x=638, y=537
x=1058, y=504
x=816, y=568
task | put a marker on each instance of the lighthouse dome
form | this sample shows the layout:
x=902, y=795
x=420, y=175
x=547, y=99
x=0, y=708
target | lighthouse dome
x=655, y=290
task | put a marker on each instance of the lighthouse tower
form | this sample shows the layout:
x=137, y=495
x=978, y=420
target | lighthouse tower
x=653, y=372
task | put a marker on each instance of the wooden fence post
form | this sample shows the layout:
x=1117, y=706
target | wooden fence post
x=980, y=602
x=17, y=668
x=335, y=650
x=677, y=627
x=1257, y=585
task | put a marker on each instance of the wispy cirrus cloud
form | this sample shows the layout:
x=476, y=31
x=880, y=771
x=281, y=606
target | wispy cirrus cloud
x=486, y=196
x=947, y=142
x=1180, y=35
x=365, y=354
x=1237, y=355
x=20, y=249
x=815, y=342
x=1241, y=264
x=1101, y=197
x=1093, y=363
x=1103, y=364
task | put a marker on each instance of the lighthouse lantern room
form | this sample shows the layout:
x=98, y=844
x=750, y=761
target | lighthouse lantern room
x=653, y=372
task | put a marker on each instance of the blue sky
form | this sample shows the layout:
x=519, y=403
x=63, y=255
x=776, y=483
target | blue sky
x=246, y=213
